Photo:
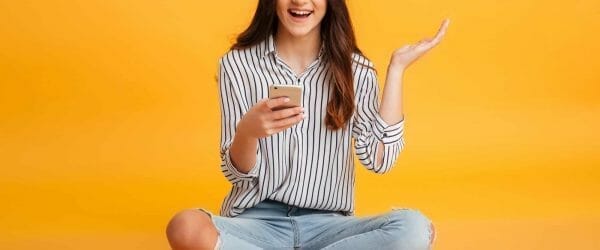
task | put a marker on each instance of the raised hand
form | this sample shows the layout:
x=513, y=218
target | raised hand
x=406, y=55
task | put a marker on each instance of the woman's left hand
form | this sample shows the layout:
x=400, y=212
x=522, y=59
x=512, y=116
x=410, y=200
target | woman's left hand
x=405, y=56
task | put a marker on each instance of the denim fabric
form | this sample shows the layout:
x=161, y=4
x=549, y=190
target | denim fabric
x=274, y=225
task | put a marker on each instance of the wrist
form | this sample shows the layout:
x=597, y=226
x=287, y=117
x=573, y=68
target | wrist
x=396, y=67
x=241, y=135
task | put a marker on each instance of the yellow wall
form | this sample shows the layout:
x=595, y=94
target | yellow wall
x=109, y=119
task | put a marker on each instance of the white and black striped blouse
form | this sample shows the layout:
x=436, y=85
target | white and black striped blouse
x=306, y=165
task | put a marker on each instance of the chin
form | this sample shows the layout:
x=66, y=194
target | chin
x=299, y=31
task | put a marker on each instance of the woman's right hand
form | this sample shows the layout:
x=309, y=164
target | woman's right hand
x=261, y=121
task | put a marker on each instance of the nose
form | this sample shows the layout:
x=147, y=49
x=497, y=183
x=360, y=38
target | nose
x=299, y=2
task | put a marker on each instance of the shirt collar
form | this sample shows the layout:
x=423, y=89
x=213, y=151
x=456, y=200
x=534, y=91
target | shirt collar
x=269, y=47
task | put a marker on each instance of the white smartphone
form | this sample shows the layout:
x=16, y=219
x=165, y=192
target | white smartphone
x=294, y=92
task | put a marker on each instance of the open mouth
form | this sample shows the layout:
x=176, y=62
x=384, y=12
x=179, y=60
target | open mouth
x=300, y=13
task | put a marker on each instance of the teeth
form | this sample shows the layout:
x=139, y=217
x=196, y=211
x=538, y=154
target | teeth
x=300, y=12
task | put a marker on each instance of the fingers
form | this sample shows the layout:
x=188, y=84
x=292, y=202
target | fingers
x=283, y=124
x=424, y=40
x=428, y=43
x=272, y=103
x=441, y=32
x=284, y=113
x=423, y=44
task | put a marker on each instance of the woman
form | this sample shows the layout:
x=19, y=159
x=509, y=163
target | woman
x=292, y=170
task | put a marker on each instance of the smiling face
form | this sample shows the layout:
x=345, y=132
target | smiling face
x=300, y=17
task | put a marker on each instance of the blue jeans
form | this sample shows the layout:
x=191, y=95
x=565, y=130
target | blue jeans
x=275, y=225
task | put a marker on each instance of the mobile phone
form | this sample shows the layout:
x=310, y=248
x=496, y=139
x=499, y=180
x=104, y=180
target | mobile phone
x=294, y=92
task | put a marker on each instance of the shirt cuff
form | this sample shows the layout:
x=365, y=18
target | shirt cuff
x=386, y=133
x=253, y=173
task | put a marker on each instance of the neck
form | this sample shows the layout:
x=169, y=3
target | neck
x=298, y=50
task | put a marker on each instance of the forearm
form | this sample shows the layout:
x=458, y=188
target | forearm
x=243, y=152
x=390, y=108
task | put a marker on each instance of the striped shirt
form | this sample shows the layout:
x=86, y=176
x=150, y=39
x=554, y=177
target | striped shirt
x=306, y=165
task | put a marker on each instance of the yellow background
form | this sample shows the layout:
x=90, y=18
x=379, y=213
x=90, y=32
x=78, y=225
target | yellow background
x=109, y=119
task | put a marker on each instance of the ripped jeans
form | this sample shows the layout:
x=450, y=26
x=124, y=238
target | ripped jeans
x=275, y=225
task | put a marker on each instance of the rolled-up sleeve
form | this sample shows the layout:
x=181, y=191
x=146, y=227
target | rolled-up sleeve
x=231, y=114
x=369, y=129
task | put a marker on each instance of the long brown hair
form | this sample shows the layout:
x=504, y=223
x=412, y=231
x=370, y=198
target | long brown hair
x=339, y=41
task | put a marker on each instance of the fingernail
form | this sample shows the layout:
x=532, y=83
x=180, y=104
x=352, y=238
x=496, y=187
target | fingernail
x=286, y=99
